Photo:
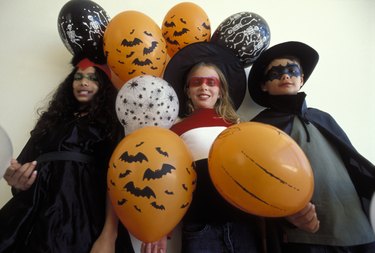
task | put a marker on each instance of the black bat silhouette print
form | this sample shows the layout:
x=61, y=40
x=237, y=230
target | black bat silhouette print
x=173, y=42
x=142, y=63
x=180, y=33
x=156, y=206
x=139, y=157
x=160, y=151
x=170, y=24
x=121, y=202
x=207, y=26
x=138, y=192
x=124, y=174
x=132, y=43
x=165, y=169
x=150, y=49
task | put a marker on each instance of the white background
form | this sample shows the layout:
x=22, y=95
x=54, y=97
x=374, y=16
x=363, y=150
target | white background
x=34, y=60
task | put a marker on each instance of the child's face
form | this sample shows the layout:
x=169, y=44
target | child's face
x=85, y=84
x=203, y=87
x=283, y=77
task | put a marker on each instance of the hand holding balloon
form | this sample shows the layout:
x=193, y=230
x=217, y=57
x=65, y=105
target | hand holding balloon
x=155, y=247
x=21, y=177
x=306, y=219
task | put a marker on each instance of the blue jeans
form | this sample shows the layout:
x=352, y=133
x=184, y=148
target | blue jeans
x=220, y=238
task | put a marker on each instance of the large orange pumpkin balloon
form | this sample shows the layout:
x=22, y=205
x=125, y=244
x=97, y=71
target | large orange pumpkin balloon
x=261, y=170
x=134, y=46
x=150, y=181
x=184, y=24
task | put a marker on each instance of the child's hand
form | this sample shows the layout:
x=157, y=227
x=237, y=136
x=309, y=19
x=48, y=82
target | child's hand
x=306, y=219
x=21, y=177
x=155, y=247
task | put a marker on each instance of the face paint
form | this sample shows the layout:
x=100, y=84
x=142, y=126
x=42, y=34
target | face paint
x=197, y=81
x=91, y=77
x=276, y=72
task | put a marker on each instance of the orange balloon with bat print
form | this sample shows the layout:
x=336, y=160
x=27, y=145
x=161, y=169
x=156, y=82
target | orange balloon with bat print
x=184, y=24
x=151, y=178
x=134, y=46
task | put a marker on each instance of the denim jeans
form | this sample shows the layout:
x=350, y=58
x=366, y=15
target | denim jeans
x=220, y=238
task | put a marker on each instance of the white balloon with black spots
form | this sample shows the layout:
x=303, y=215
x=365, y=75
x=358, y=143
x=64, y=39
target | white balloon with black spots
x=146, y=101
x=6, y=151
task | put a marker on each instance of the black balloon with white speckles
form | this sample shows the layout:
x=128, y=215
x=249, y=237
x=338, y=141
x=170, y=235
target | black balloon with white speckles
x=247, y=34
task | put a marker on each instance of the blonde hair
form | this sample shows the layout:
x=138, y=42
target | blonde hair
x=223, y=106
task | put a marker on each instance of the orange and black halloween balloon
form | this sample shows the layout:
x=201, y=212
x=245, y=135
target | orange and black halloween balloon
x=261, y=170
x=151, y=179
x=134, y=46
x=184, y=24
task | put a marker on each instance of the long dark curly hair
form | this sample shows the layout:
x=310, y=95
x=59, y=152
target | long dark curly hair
x=63, y=107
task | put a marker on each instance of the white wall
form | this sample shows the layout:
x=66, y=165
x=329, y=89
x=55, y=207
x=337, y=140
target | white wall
x=34, y=60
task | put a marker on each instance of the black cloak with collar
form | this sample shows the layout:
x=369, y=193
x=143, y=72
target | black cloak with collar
x=281, y=114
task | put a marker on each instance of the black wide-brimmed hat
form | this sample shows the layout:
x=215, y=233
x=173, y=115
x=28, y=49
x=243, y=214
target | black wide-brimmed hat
x=307, y=56
x=181, y=63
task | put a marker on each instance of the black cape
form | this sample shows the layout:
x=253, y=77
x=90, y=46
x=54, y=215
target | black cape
x=281, y=114
x=64, y=210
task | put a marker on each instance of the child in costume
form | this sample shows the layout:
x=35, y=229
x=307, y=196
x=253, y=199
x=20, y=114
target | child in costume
x=60, y=176
x=335, y=220
x=207, y=78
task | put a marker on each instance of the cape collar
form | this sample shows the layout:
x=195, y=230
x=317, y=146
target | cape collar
x=294, y=104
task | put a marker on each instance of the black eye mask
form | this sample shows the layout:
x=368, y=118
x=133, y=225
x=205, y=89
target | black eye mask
x=276, y=72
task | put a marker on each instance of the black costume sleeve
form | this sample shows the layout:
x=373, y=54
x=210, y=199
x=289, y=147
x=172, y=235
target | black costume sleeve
x=28, y=154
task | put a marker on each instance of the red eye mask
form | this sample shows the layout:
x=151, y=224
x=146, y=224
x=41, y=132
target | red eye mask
x=210, y=81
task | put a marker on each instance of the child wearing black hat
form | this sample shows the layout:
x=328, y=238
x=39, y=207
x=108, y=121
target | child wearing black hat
x=206, y=78
x=336, y=219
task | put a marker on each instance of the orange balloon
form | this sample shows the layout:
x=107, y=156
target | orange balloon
x=117, y=82
x=151, y=180
x=184, y=24
x=134, y=46
x=261, y=170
